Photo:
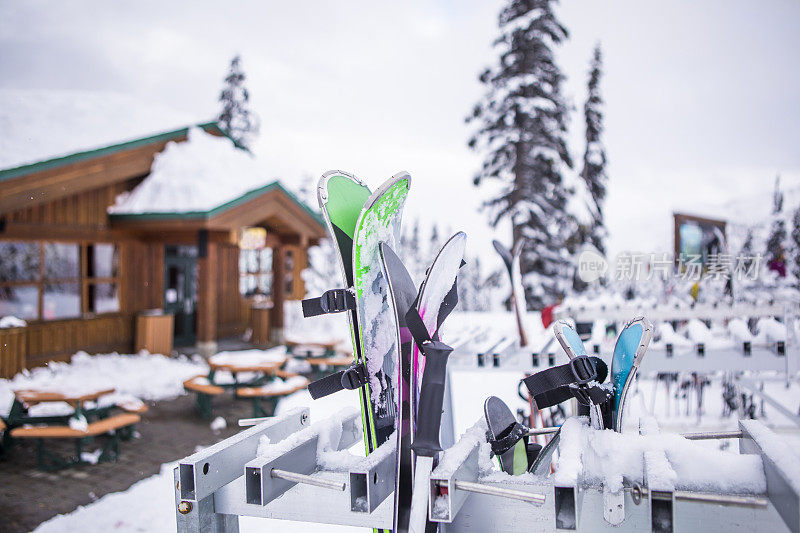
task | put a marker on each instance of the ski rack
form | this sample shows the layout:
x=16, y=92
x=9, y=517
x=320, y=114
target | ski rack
x=215, y=486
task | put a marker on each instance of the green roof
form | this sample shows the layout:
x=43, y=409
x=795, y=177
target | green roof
x=201, y=215
x=17, y=172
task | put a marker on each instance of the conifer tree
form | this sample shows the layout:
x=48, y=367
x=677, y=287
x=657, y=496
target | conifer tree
x=236, y=119
x=521, y=132
x=776, y=247
x=796, y=246
x=594, y=158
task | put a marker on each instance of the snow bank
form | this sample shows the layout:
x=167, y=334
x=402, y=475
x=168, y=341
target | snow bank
x=12, y=322
x=38, y=125
x=144, y=375
x=199, y=174
x=607, y=458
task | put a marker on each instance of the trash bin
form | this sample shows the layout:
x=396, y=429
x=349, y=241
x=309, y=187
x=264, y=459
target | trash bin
x=154, y=330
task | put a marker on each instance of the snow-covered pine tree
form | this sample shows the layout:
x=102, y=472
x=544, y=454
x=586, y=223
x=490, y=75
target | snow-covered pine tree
x=594, y=158
x=776, y=244
x=477, y=291
x=522, y=132
x=796, y=246
x=434, y=245
x=411, y=252
x=236, y=118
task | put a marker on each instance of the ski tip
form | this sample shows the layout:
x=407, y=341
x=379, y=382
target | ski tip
x=402, y=175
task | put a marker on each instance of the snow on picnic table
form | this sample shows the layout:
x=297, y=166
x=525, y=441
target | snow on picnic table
x=143, y=375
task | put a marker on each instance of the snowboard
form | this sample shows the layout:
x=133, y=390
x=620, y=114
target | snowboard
x=437, y=297
x=629, y=351
x=341, y=198
x=572, y=344
x=439, y=280
x=378, y=222
x=402, y=293
x=511, y=261
x=508, y=438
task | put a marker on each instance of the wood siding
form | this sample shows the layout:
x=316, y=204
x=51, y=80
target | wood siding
x=86, y=209
x=142, y=276
x=232, y=308
x=58, y=340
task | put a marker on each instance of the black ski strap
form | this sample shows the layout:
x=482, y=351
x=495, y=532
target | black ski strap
x=351, y=378
x=509, y=438
x=332, y=301
x=560, y=383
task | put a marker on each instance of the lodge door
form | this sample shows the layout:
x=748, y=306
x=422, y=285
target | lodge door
x=180, y=291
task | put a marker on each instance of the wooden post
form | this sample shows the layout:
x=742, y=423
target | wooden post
x=278, y=291
x=207, y=299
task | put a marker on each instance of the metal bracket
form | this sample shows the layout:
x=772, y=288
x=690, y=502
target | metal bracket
x=262, y=485
x=374, y=480
x=206, y=471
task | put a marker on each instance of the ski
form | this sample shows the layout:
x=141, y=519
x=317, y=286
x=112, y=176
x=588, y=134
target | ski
x=508, y=438
x=341, y=198
x=572, y=344
x=511, y=261
x=378, y=222
x=433, y=308
x=402, y=293
x=437, y=297
x=629, y=351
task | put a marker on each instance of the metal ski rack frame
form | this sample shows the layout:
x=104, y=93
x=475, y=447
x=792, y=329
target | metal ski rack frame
x=215, y=486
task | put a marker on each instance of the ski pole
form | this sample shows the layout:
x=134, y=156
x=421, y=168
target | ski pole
x=429, y=416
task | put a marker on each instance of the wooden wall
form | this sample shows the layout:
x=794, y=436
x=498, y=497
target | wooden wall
x=87, y=208
x=41, y=342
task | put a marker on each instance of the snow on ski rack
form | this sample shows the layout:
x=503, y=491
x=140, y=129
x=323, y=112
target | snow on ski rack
x=698, y=349
x=275, y=470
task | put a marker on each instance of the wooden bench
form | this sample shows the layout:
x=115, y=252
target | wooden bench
x=203, y=391
x=120, y=425
x=270, y=394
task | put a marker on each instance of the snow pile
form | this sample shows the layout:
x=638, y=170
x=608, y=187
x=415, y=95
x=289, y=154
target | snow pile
x=12, y=322
x=218, y=424
x=329, y=432
x=38, y=125
x=199, y=174
x=739, y=330
x=770, y=330
x=607, y=458
x=451, y=458
x=144, y=375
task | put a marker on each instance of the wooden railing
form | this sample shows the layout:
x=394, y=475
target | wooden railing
x=40, y=342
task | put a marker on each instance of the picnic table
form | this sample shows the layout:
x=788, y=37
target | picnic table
x=248, y=373
x=80, y=415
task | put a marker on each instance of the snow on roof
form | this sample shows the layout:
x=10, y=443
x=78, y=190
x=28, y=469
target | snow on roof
x=750, y=210
x=199, y=174
x=38, y=125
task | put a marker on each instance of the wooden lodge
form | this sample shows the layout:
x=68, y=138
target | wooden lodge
x=80, y=274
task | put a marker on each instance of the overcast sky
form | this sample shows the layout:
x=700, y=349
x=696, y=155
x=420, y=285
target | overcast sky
x=702, y=98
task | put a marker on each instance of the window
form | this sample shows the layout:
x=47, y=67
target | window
x=102, y=273
x=255, y=272
x=20, y=269
x=55, y=280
